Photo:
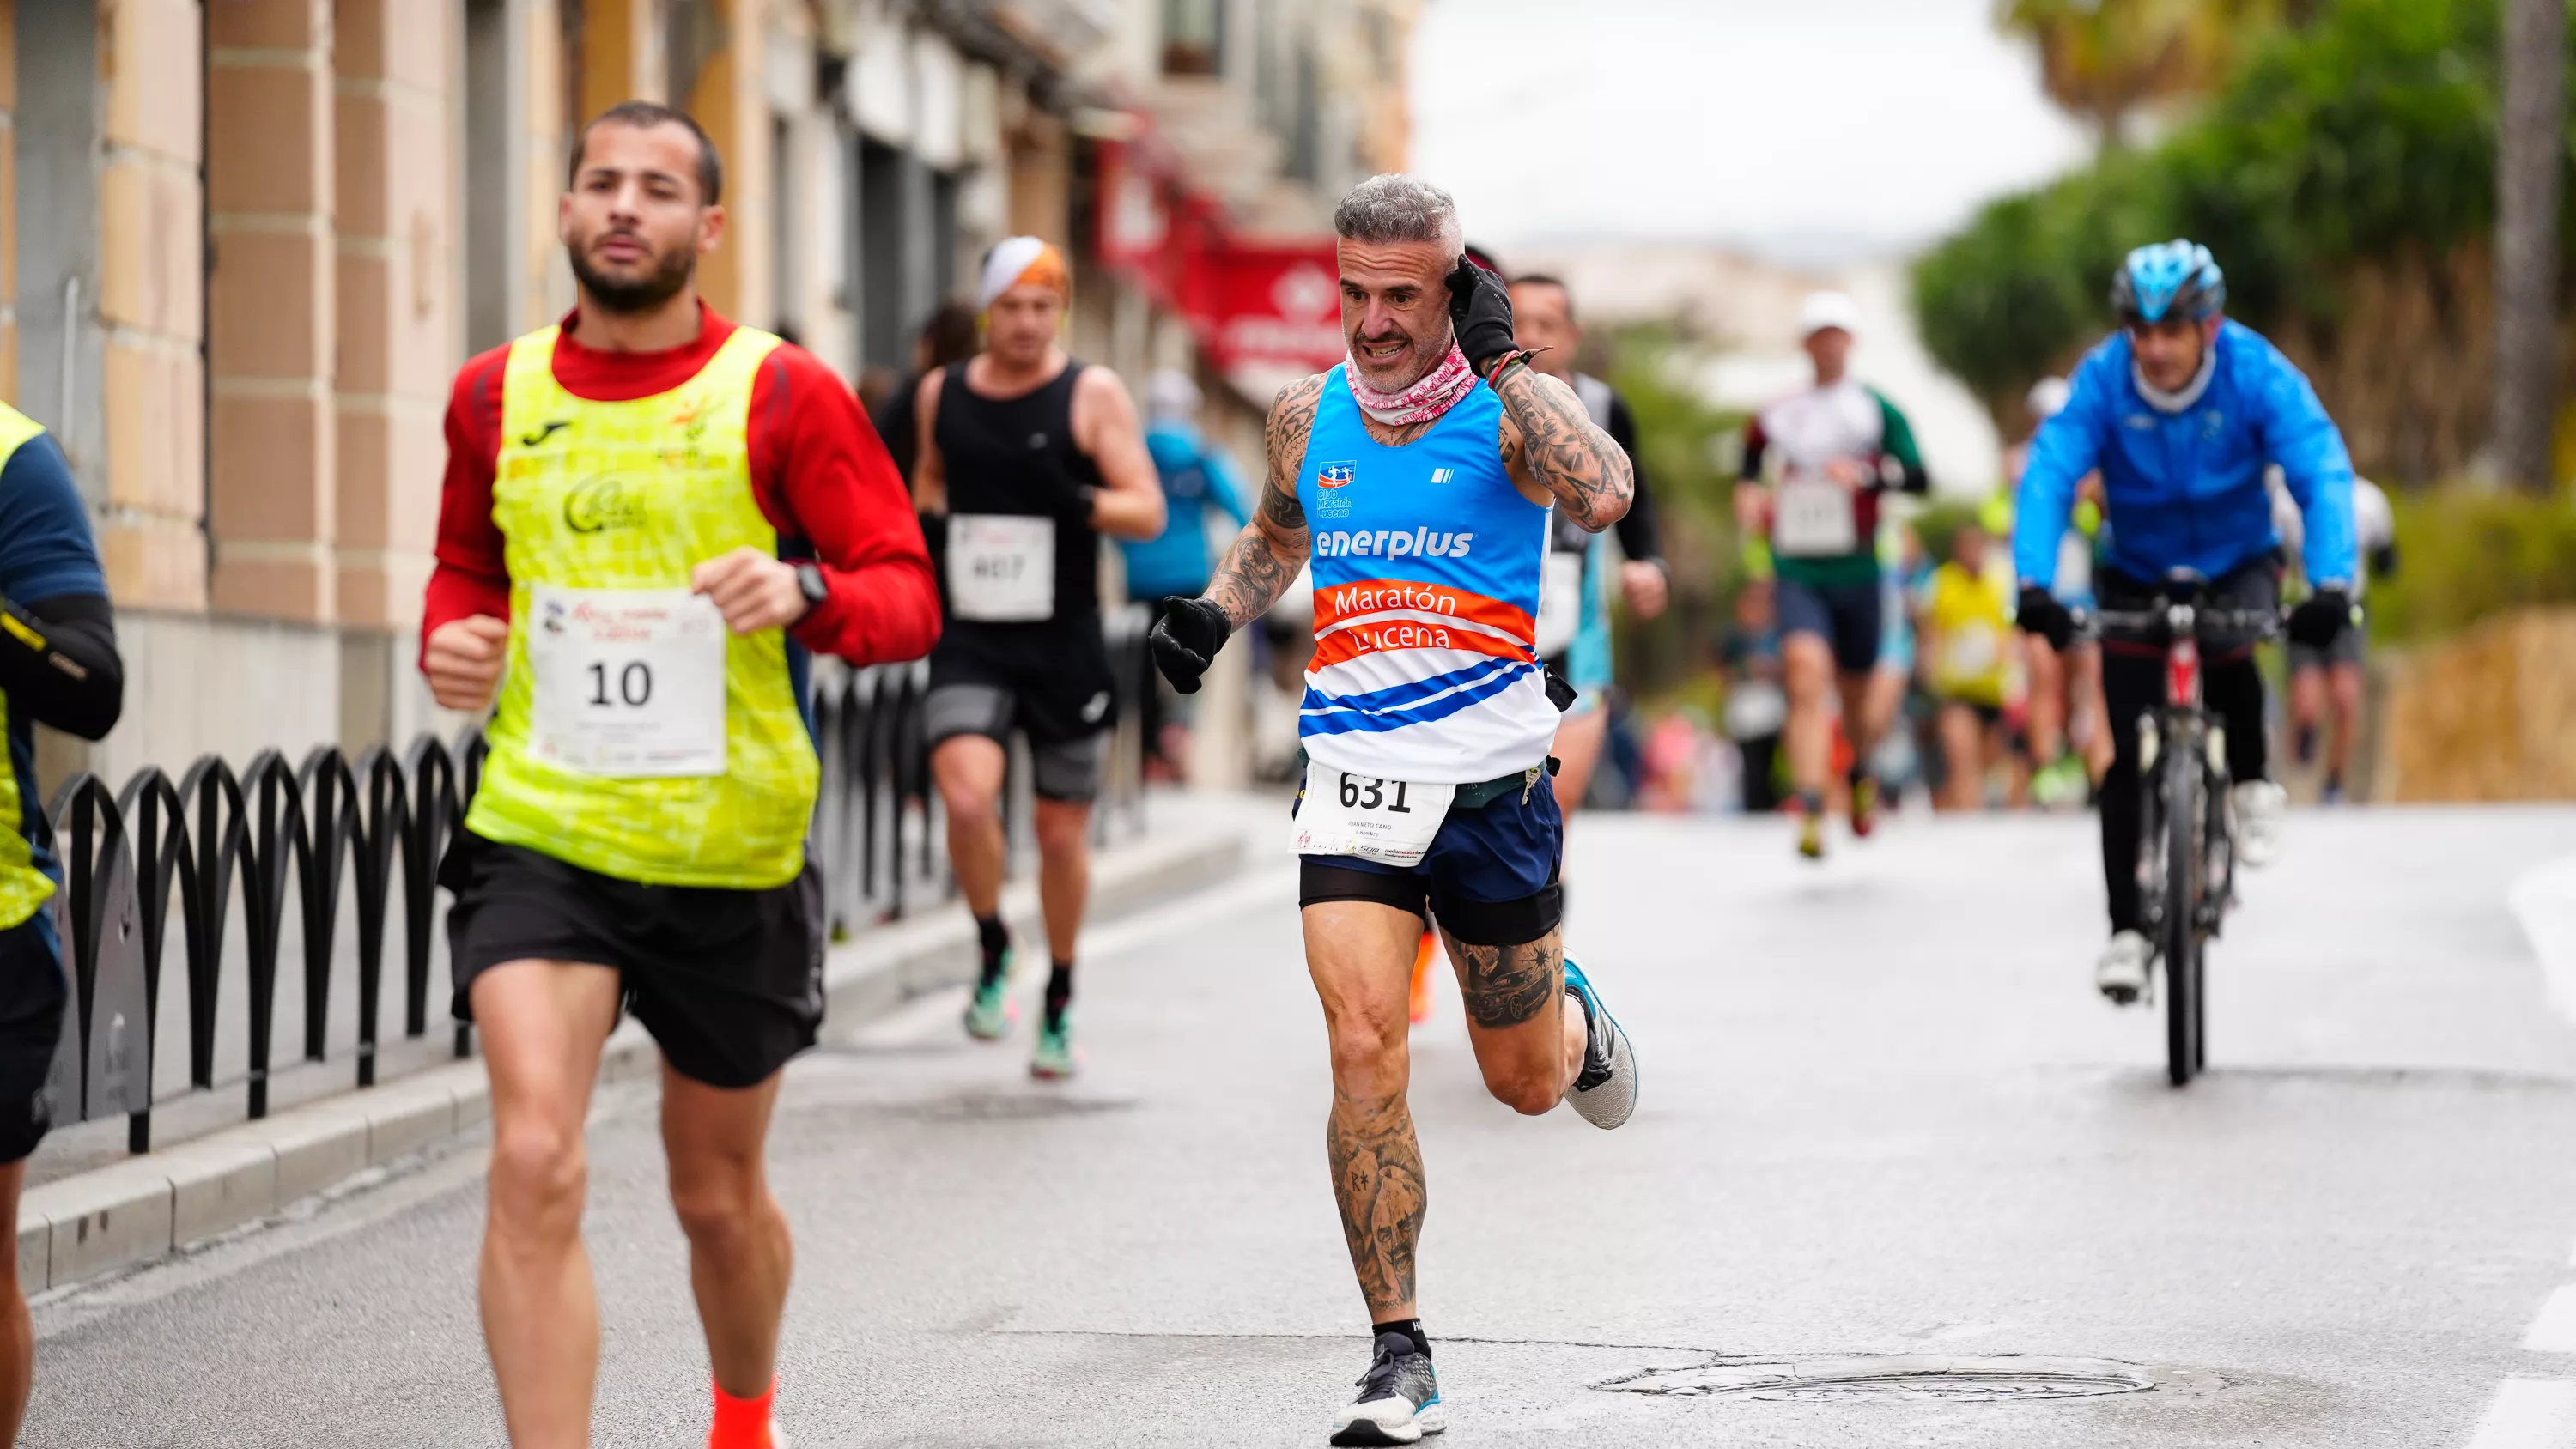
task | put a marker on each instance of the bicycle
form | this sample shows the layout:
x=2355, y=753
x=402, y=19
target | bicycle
x=2187, y=835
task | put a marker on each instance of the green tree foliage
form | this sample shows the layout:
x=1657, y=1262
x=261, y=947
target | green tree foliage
x=2366, y=135
x=2104, y=60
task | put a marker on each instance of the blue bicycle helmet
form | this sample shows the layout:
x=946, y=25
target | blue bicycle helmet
x=2178, y=277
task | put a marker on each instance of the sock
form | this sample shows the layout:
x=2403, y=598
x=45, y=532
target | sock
x=997, y=939
x=1059, y=993
x=2334, y=782
x=742, y=1423
x=1409, y=1327
x=1811, y=802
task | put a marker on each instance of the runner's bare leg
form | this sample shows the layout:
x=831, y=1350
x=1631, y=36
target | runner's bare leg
x=543, y=1024
x=17, y=1329
x=740, y=1254
x=968, y=770
x=1064, y=870
x=1809, y=665
x=1360, y=954
x=1527, y=1033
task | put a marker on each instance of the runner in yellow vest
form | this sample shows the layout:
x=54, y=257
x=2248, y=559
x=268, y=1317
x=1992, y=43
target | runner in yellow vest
x=652, y=519
x=1973, y=661
x=59, y=667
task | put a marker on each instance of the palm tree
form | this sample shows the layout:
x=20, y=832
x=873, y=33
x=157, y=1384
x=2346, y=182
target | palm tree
x=2106, y=60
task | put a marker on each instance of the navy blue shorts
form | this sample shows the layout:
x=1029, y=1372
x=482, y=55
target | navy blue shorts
x=1490, y=875
x=1846, y=616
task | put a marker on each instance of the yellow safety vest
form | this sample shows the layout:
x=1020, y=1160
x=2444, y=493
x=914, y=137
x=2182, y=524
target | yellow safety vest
x=1971, y=626
x=23, y=888
x=633, y=495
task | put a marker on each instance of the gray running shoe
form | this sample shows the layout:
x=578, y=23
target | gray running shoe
x=1605, y=1091
x=1399, y=1398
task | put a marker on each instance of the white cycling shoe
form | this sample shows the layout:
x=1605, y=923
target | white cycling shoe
x=2121, y=973
x=2259, y=807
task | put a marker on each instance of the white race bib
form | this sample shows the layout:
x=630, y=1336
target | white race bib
x=1001, y=568
x=630, y=683
x=1560, y=601
x=1813, y=518
x=1970, y=652
x=1391, y=821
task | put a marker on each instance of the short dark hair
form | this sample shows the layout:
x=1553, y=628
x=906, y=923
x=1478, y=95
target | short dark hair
x=1543, y=279
x=950, y=333
x=644, y=116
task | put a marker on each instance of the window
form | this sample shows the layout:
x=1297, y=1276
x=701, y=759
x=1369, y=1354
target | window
x=1193, y=36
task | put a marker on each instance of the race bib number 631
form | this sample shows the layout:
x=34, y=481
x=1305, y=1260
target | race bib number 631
x=1392, y=821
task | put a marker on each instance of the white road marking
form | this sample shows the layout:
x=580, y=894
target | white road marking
x=2543, y=899
x=2554, y=1331
x=2529, y=1414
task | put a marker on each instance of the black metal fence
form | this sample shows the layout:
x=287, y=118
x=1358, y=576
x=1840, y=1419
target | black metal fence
x=275, y=836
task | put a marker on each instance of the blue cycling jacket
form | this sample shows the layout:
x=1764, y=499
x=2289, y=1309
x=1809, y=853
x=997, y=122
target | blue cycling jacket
x=1196, y=477
x=2185, y=490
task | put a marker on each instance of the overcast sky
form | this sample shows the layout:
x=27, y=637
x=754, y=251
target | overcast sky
x=1807, y=130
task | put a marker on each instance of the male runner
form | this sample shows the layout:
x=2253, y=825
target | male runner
x=651, y=515
x=1032, y=456
x=2182, y=411
x=1574, y=614
x=2326, y=683
x=1839, y=445
x=1428, y=463
x=58, y=666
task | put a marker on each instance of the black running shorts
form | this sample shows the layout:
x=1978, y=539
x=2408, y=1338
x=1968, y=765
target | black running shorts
x=729, y=982
x=33, y=995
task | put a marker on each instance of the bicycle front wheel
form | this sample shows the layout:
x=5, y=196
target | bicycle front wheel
x=2184, y=885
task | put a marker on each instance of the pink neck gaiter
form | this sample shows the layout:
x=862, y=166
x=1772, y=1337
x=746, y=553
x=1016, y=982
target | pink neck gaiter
x=1435, y=393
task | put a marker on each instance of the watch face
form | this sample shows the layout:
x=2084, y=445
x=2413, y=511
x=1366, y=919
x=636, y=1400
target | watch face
x=809, y=579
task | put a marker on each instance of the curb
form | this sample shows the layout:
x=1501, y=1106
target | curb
x=145, y=1208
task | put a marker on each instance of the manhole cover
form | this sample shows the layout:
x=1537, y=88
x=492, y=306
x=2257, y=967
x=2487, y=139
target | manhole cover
x=2008, y=1378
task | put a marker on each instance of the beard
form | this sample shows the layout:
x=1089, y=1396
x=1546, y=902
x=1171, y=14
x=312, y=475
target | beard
x=1413, y=365
x=628, y=295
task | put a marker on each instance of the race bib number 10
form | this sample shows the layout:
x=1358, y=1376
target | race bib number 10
x=1391, y=821
x=629, y=683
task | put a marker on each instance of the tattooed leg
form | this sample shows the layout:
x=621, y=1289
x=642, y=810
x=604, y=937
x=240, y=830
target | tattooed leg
x=1361, y=956
x=1527, y=1033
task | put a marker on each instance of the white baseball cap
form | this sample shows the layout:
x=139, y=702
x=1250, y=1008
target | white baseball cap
x=2047, y=397
x=1827, y=309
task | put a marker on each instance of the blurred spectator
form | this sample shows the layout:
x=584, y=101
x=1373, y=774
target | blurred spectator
x=1196, y=476
x=1757, y=704
x=948, y=337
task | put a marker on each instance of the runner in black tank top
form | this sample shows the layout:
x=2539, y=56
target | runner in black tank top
x=1031, y=456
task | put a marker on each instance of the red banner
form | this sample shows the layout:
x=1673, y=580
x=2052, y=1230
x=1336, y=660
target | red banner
x=1264, y=312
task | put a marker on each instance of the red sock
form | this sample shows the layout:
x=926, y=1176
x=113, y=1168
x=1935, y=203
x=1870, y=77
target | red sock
x=742, y=1423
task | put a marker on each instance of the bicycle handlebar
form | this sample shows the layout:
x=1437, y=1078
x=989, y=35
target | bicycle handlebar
x=2261, y=623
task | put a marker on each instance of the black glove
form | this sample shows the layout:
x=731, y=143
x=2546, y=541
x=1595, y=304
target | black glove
x=2041, y=614
x=1480, y=311
x=2321, y=616
x=1186, y=640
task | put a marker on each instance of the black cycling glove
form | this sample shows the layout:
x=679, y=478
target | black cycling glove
x=2040, y=613
x=1187, y=640
x=2321, y=616
x=1480, y=311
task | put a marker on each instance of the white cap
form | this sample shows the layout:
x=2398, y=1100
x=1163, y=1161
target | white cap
x=1827, y=309
x=2047, y=397
x=1170, y=393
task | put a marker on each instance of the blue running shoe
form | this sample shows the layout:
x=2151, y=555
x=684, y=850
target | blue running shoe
x=1399, y=1398
x=1605, y=1091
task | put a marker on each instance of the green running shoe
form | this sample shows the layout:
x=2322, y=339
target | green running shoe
x=990, y=1011
x=1054, y=1061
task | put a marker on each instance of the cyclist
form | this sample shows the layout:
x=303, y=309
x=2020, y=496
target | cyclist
x=650, y=516
x=1836, y=448
x=2182, y=410
x=1419, y=476
x=58, y=666
x=2325, y=684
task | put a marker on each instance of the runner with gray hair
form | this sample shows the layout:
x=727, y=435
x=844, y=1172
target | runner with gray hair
x=1429, y=462
x=1394, y=207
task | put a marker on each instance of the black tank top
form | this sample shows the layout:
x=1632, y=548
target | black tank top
x=1017, y=456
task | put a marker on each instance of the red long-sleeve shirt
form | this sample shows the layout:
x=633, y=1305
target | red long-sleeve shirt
x=818, y=471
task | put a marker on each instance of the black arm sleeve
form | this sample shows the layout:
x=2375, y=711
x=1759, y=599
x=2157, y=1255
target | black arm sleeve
x=58, y=663
x=1638, y=536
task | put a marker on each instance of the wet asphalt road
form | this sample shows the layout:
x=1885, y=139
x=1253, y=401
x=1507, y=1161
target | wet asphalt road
x=1883, y=1115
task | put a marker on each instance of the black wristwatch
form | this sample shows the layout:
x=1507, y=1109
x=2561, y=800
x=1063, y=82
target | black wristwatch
x=809, y=582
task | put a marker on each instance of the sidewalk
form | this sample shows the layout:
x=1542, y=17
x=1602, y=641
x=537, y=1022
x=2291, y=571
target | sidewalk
x=138, y=1209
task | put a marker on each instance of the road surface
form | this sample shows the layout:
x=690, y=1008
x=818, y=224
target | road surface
x=1887, y=1129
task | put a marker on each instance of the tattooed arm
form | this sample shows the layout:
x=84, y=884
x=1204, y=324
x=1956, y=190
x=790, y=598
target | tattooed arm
x=1271, y=549
x=1549, y=443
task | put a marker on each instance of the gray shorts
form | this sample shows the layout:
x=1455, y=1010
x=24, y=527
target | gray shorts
x=1067, y=770
x=2347, y=648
